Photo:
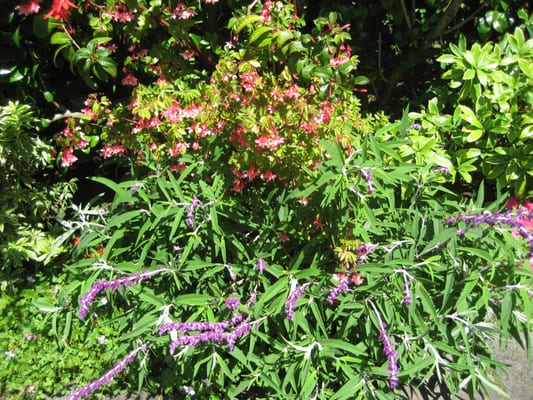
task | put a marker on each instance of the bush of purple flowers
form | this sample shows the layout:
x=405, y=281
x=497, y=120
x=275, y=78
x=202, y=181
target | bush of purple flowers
x=323, y=288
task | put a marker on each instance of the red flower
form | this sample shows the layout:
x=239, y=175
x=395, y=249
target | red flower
x=512, y=203
x=318, y=223
x=283, y=237
x=60, y=9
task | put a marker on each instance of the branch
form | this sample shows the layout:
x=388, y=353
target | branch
x=445, y=19
x=406, y=15
x=410, y=59
x=467, y=19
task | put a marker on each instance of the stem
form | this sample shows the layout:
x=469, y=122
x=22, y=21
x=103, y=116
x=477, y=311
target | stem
x=411, y=59
x=76, y=45
x=406, y=15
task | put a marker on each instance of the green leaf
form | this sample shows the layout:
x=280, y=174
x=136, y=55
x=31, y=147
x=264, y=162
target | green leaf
x=321, y=72
x=526, y=67
x=474, y=135
x=46, y=306
x=469, y=116
x=260, y=33
x=469, y=74
x=248, y=20
x=447, y=59
x=283, y=37
x=48, y=96
x=193, y=299
x=505, y=314
x=120, y=219
x=296, y=47
x=108, y=65
x=438, y=241
x=43, y=27
x=224, y=367
x=348, y=390
x=358, y=350
x=361, y=80
x=60, y=38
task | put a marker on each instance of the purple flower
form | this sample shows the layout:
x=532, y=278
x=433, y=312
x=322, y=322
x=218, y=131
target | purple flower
x=136, y=186
x=218, y=332
x=194, y=326
x=388, y=350
x=232, y=303
x=369, y=181
x=252, y=299
x=408, y=298
x=342, y=286
x=88, y=298
x=392, y=356
x=519, y=219
x=261, y=265
x=108, y=376
x=295, y=293
x=191, y=212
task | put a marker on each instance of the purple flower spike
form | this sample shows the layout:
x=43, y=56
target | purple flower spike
x=218, y=332
x=369, y=181
x=388, y=350
x=261, y=265
x=232, y=303
x=191, y=212
x=342, y=286
x=108, y=376
x=295, y=293
x=88, y=298
x=520, y=219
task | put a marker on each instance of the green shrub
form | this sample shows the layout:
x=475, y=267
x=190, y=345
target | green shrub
x=350, y=283
x=28, y=204
x=485, y=119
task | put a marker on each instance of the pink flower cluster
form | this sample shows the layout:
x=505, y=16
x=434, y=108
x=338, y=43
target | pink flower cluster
x=68, y=158
x=28, y=7
x=109, y=151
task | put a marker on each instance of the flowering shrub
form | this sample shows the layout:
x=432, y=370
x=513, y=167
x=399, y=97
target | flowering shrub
x=267, y=125
x=343, y=284
x=272, y=241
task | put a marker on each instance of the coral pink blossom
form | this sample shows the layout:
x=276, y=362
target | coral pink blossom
x=129, y=80
x=28, y=7
x=68, y=158
x=60, y=9
x=178, y=149
x=268, y=176
x=110, y=151
x=238, y=185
